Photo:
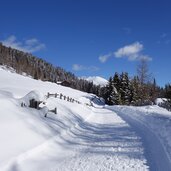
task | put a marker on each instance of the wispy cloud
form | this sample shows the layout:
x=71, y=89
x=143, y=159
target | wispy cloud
x=104, y=58
x=29, y=45
x=78, y=67
x=133, y=52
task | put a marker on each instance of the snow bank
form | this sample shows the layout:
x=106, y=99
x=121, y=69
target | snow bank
x=32, y=95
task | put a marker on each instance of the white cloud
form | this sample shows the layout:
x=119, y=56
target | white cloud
x=145, y=57
x=29, y=45
x=129, y=50
x=104, y=58
x=132, y=52
x=77, y=67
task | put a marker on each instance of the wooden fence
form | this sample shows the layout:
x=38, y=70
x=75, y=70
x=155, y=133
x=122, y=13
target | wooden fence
x=35, y=104
x=62, y=97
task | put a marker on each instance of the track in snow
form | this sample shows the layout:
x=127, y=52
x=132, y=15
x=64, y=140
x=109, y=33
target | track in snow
x=155, y=153
x=103, y=143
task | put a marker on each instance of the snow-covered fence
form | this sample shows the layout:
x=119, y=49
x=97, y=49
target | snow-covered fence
x=62, y=97
x=52, y=95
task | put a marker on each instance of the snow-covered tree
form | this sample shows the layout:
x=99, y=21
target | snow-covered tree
x=116, y=89
x=125, y=89
x=135, y=96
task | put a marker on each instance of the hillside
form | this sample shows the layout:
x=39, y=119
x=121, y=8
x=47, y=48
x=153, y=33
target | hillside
x=40, y=69
x=84, y=137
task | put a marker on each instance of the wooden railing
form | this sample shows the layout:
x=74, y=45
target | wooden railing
x=62, y=97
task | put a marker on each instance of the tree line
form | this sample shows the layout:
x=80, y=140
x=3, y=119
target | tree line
x=121, y=90
x=139, y=90
x=40, y=69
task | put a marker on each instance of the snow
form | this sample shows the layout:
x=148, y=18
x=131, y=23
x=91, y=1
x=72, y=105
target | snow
x=96, y=80
x=159, y=101
x=81, y=137
x=32, y=95
x=153, y=124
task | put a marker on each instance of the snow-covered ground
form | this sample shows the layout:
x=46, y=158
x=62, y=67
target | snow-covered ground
x=153, y=124
x=159, y=101
x=80, y=137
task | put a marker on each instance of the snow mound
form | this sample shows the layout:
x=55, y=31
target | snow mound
x=32, y=95
x=160, y=101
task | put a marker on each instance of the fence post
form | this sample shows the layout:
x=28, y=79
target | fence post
x=55, y=110
x=48, y=94
x=61, y=96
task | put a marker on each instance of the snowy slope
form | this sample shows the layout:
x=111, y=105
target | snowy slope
x=80, y=137
x=96, y=80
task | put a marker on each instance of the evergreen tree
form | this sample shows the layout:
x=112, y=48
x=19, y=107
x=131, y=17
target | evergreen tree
x=134, y=91
x=125, y=89
x=109, y=92
x=116, y=89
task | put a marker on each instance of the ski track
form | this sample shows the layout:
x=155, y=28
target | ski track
x=155, y=153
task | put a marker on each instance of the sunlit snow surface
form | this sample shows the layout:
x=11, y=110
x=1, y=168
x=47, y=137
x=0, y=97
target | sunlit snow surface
x=80, y=137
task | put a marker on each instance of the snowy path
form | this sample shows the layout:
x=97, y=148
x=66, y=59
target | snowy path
x=104, y=142
x=157, y=157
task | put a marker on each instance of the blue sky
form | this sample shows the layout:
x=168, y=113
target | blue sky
x=92, y=37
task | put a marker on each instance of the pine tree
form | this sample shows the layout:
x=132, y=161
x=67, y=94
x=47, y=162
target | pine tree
x=116, y=89
x=125, y=89
x=109, y=92
x=135, y=98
